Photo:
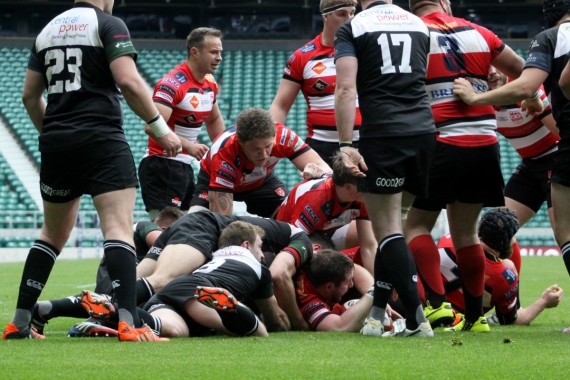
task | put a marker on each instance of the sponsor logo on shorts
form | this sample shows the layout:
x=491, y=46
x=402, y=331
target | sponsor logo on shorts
x=115, y=284
x=34, y=284
x=176, y=201
x=54, y=192
x=415, y=278
x=203, y=196
x=390, y=182
x=155, y=250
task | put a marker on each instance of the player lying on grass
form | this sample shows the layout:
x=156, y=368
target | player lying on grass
x=502, y=267
x=208, y=300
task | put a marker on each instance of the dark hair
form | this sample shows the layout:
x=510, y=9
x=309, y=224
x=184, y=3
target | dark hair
x=197, y=36
x=239, y=231
x=254, y=123
x=329, y=265
x=554, y=10
x=341, y=174
x=497, y=228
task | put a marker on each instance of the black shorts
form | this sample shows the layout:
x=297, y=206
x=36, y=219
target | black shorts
x=561, y=169
x=325, y=149
x=166, y=182
x=262, y=201
x=396, y=164
x=198, y=230
x=92, y=169
x=174, y=295
x=530, y=182
x=468, y=175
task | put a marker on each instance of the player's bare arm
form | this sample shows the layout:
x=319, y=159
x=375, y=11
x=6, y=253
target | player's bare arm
x=34, y=87
x=221, y=202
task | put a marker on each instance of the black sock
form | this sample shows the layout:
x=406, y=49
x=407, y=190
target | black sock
x=121, y=263
x=152, y=321
x=565, y=250
x=242, y=322
x=382, y=287
x=399, y=268
x=66, y=307
x=144, y=290
x=37, y=269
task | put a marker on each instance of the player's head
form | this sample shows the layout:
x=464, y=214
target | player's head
x=243, y=234
x=554, y=10
x=331, y=272
x=337, y=12
x=167, y=216
x=341, y=175
x=445, y=5
x=255, y=130
x=497, y=228
x=204, y=47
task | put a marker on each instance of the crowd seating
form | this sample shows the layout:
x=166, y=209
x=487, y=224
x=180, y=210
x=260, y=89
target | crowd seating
x=246, y=78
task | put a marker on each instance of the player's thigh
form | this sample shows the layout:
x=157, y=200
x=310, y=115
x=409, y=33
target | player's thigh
x=173, y=325
x=115, y=210
x=463, y=223
x=175, y=260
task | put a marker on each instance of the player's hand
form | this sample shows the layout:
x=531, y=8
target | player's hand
x=463, y=89
x=552, y=296
x=313, y=170
x=532, y=106
x=171, y=144
x=197, y=150
x=353, y=161
x=392, y=313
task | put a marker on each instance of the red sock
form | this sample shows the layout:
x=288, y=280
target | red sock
x=516, y=256
x=471, y=263
x=426, y=256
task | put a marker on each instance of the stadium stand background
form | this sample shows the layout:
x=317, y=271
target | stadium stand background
x=258, y=38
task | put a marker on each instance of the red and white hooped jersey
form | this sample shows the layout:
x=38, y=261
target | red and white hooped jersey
x=312, y=205
x=191, y=103
x=230, y=170
x=312, y=66
x=527, y=134
x=460, y=49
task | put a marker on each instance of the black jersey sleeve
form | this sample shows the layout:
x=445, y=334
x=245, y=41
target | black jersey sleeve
x=344, y=42
x=115, y=37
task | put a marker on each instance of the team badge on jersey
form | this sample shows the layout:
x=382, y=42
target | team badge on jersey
x=191, y=119
x=516, y=117
x=320, y=85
